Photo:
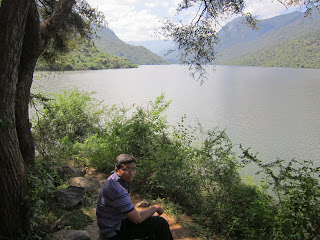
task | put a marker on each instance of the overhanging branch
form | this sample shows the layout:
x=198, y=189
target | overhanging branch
x=52, y=24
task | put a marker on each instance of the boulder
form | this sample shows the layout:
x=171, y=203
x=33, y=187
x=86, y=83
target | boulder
x=89, y=184
x=87, y=202
x=60, y=223
x=143, y=204
x=70, y=197
x=98, y=176
x=68, y=171
x=71, y=235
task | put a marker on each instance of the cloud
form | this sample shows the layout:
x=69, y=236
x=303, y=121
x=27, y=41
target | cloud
x=136, y=20
x=265, y=8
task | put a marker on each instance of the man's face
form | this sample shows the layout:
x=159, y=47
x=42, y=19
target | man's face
x=127, y=171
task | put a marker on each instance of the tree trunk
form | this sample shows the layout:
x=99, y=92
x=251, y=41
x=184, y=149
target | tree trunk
x=22, y=40
x=13, y=177
x=29, y=56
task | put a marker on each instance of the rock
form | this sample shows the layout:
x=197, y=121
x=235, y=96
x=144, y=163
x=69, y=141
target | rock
x=60, y=223
x=98, y=176
x=143, y=204
x=71, y=235
x=68, y=171
x=102, y=176
x=87, y=201
x=89, y=184
x=93, y=230
x=70, y=197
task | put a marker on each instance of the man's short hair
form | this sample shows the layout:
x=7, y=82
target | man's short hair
x=124, y=159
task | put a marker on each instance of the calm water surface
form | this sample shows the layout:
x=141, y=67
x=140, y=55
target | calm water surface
x=275, y=111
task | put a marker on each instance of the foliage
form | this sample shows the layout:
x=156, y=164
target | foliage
x=295, y=184
x=200, y=175
x=196, y=39
x=42, y=188
x=44, y=212
x=77, y=27
x=66, y=119
x=84, y=57
x=136, y=135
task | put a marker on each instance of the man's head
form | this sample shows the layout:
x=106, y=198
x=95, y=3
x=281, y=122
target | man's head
x=125, y=167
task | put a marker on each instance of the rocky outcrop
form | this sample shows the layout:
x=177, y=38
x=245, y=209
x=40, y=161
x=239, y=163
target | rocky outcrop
x=80, y=183
x=143, y=204
x=89, y=184
x=70, y=197
x=69, y=171
x=71, y=235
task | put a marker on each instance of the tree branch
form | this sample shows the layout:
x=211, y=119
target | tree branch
x=52, y=24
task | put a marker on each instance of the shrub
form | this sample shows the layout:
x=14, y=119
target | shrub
x=295, y=187
x=65, y=119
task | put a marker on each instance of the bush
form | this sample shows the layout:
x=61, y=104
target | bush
x=295, y=185
x=67, y=118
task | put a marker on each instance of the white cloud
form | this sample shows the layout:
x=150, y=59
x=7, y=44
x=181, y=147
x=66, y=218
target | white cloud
x=265, y=8
x=136, y=20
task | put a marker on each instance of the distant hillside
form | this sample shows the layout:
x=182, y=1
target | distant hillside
x=109, y=43
x=238, y=40
x=301, y=52
x=85, y=58
x=160, y=48
x=277, y=38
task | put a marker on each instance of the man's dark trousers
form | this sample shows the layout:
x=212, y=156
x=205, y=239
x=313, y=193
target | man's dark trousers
x=155, y=225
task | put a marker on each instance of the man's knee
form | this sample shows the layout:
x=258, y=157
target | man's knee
x=161, y=222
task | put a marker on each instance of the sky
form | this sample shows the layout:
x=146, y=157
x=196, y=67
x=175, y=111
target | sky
x=137, y=20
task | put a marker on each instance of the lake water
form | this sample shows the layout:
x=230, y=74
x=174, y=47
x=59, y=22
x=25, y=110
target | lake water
x=275, y=111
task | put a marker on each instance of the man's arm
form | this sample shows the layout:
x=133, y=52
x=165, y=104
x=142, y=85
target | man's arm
x=138, y=217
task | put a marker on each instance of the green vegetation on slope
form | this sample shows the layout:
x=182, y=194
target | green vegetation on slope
x=85, y=57
x=289, y=40
x=201, y=176
x=302, y=52
x=109, y=43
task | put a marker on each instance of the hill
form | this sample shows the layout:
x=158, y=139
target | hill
x=85, y=57
x=277, y=40
x=238, y=40
x=301, y=52
x=108, y=42
x=160, y=48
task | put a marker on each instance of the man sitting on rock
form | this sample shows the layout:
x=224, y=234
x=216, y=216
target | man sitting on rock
x=117, y=218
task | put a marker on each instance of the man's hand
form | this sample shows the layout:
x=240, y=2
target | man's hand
x=159, y=210
x=138, y=217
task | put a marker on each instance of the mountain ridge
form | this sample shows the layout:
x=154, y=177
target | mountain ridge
x=237, y=40
x=108, y=42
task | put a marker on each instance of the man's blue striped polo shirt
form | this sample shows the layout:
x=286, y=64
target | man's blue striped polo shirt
x=113, y=205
